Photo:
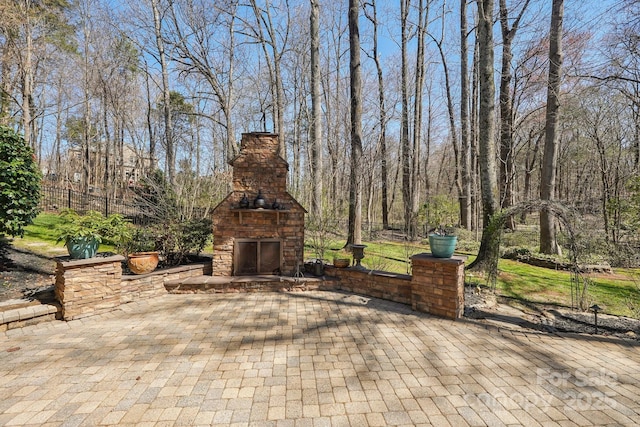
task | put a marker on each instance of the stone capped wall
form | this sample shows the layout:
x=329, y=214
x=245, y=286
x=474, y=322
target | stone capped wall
x=378, y=284
x=438, y=285
x=88, y=286
x=96, y=285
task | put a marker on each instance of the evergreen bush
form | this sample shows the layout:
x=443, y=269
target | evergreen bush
x=20, y=181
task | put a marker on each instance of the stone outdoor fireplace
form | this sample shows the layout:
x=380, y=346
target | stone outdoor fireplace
x=255, y=241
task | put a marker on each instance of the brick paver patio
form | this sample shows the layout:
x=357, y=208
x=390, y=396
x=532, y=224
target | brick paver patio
x=308, y=358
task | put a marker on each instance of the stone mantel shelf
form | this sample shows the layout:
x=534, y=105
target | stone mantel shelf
x=275, y=212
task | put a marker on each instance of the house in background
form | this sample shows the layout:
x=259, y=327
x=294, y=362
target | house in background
x=120, y=170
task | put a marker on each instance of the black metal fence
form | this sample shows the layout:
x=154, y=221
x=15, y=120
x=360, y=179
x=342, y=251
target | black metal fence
x=54, y=199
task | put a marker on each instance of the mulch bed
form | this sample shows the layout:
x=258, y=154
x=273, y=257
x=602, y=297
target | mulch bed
x=24, y=274
x=545, y=317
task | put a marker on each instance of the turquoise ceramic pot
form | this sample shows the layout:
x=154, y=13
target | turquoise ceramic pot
x=82, y=247
x=442, y=246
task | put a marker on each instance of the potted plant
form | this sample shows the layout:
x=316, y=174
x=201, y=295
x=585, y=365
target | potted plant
x=140, y=249
x=442, y=242
x=342, y=259
x=82, y=234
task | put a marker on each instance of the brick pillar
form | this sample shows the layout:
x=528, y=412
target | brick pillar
x=437, y=285
x=86, y=287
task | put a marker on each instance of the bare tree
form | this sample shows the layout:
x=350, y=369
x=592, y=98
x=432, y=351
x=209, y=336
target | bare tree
x=316, y=118
x=267, y=35
x=548, y=243
x=201, y=51
x=507, y=151
x=407, y=155
x=166, y=93
x=422, y=31
x=355, y=188
x=486, y=125
x=465, y=155
x=382, y=114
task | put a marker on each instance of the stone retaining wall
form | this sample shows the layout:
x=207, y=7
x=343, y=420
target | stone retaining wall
x=96, y=285
x=436, y=286
x=377, y=284
x=86, y=287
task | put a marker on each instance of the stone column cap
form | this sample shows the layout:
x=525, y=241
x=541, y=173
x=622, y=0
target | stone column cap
x=455, y=259
x=68, y=262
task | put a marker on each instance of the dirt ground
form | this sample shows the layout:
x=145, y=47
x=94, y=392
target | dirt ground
x=24, y=274
x=514, y=314
x=27, y=275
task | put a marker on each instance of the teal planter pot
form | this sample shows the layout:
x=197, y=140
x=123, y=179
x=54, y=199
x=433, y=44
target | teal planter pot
x=82, y=247
x=442, y=246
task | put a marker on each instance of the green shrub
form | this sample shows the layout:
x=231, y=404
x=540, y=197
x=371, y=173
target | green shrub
x=20, y=181
x=141, y=239
x=175, y=236
x=439, y=210
x=113, y=229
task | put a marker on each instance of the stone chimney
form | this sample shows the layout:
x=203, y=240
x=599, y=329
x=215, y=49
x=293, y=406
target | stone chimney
x=251, y=241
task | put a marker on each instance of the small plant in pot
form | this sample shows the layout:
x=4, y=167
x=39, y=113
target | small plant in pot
x=140, y=249
x=82, y=234
x=342, y=259
x=442, y=242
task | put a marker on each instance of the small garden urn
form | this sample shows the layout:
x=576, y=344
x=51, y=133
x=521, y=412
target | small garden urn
x=358, y=254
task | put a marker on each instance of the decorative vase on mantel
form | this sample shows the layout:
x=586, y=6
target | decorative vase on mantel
x=259, y=202
x=244, y=202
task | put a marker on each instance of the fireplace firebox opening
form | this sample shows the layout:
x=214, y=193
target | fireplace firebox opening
x=257, y=256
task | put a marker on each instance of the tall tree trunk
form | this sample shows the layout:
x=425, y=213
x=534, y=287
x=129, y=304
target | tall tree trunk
x=107, y=139
x=423, y=22
x=465, y=155
x=316, y=117
x=5, y=86
x=58, y=138
x=86, y=134
x=27, y=78
x=548, y=243
x=407, y=196
x=382, y=117
x=152, y=136
x=166, y=95
x=450, y=112
x=507, y=155
x=531, y=156
x=486, y=142
x=473, y=136
x=355, y=189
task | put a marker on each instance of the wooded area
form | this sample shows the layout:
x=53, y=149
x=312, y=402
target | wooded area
x=412, y=113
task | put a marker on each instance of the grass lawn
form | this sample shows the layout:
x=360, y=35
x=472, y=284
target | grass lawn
x=41, y=237
x=613, y=292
